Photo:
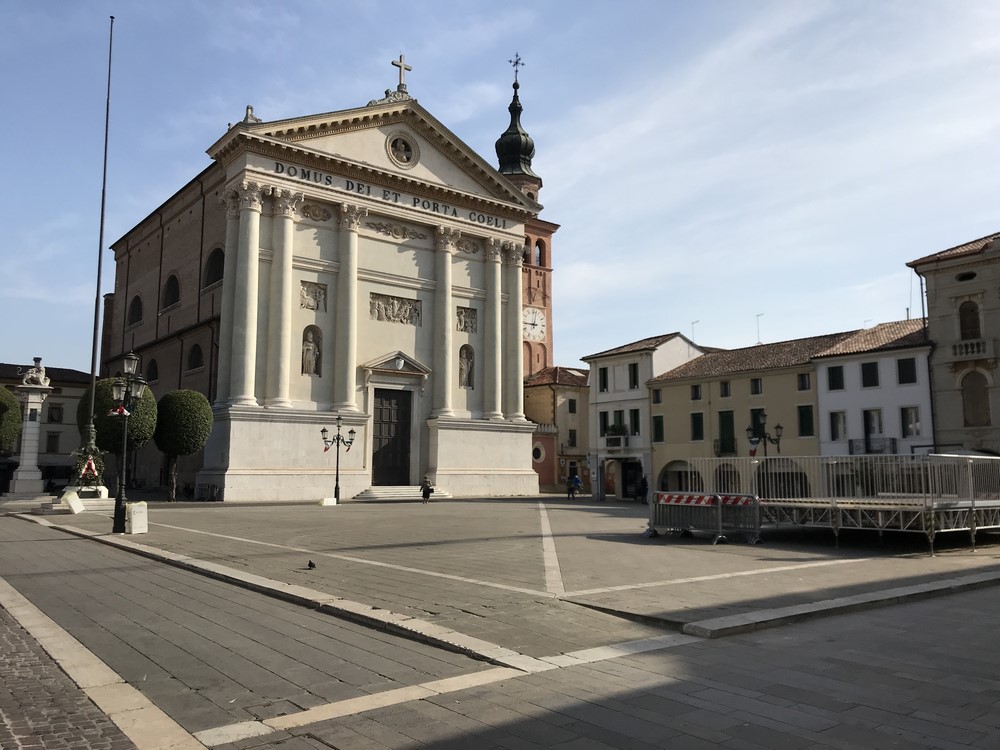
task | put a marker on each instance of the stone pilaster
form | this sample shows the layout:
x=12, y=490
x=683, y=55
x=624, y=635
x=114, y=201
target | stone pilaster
x=244, y=352
x=346, y=374
x=231, y=200
x=513, y=365
x=444, y=323
x=279, y=323
x=493, y=354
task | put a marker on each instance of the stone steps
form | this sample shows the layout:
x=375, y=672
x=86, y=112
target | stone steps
x=404, y=492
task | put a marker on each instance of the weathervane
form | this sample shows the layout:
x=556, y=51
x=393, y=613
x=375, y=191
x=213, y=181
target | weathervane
x=517, y=63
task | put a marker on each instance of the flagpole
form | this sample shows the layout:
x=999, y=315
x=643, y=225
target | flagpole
x=90, y=432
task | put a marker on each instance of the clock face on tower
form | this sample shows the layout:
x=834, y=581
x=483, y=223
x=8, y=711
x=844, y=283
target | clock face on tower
x=533, y=323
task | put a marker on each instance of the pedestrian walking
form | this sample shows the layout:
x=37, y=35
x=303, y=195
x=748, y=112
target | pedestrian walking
x=643, y=489
x=426, y=489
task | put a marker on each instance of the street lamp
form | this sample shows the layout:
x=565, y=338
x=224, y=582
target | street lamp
x=758, y=433
x=337, y=440
x=126, y=390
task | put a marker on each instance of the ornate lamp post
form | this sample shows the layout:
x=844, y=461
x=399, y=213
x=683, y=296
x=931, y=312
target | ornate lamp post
x=337, y=440
x=126, y=390
x=758, y=433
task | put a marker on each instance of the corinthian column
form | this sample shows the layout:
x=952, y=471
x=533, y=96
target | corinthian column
x=244, y=354
x=279, y=321
x=231, y=200
x=345, y=376
x=513, y=373
x=493, y=354
x=444, y=311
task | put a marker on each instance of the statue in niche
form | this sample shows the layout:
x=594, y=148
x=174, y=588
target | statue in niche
x=466, y=360
x=310, y=354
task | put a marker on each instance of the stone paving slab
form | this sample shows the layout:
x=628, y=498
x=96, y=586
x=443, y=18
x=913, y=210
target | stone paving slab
x=208, y=653
x=477, y=569
x=860, y=680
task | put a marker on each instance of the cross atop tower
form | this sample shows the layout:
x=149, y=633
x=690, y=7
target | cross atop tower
x=403, y=67
x=516, y=62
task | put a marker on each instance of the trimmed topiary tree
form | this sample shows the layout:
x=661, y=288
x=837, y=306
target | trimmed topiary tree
x=183, y=424
x=10, y=420
x=141, y=421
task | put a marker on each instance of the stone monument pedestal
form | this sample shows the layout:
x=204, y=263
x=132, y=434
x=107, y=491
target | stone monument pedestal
x=33, y=391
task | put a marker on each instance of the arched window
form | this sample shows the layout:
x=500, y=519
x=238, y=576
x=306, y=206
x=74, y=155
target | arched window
x=171, y=292
x=195, y=358
x=968, y=321
x=540, y=253
x=134, y=311
x=152, y=371
x=215, y=266
x=976, y=400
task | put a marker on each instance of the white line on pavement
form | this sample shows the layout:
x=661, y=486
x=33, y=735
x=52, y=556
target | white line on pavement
x=362, y=561
x=549, y=581
x=717, y=576
x=550, y=558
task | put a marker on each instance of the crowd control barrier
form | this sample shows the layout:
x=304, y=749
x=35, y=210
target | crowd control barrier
x=719, y=515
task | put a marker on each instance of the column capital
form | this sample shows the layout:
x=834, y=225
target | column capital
x=285, y=201
x=351, y=215
x=447, y=239
x=231, y=200
x=514, y=254
x=494, y=249
x=251, y=195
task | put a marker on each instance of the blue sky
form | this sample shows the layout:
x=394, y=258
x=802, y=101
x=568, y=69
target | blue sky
x=737, y=171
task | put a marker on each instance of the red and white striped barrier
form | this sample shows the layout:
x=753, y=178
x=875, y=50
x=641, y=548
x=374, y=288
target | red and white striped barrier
x=685, y=498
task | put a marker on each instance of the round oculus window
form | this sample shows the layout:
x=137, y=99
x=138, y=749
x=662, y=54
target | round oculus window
x=402, y=150
x=537, y=453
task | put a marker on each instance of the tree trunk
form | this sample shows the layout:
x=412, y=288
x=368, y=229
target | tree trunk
x=172, y=469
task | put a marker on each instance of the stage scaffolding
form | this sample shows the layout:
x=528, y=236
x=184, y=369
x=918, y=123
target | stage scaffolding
x=930, y=494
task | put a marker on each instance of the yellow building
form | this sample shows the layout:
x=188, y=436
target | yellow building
x=757, y=400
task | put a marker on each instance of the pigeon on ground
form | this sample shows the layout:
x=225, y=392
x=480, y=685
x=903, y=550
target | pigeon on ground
x=311, y=565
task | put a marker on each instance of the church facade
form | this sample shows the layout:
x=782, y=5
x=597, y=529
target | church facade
x=364, y=266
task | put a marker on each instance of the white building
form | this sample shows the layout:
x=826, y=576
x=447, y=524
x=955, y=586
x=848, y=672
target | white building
x=620, y=425
x=874, y=391
x=364, y=264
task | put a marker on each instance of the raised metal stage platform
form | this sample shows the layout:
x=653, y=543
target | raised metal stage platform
x=928, y=494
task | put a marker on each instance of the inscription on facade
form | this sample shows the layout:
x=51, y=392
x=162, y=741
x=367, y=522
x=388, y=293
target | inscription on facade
x=394, y=309
x=440, y=208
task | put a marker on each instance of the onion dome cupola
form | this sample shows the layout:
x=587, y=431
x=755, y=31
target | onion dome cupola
x=515, y=148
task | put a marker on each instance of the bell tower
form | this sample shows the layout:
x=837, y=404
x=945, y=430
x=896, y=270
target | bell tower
x=515, y=150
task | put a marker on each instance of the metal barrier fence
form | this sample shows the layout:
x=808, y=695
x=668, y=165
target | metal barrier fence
x=915, y=493
x=719, y=515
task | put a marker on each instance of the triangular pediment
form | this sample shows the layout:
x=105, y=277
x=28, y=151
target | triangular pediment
x=392, y=141
x=396, y=363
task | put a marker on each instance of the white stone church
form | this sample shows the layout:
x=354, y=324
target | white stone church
x=365, y=264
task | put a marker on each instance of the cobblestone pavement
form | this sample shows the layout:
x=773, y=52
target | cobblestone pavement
x=40, y=707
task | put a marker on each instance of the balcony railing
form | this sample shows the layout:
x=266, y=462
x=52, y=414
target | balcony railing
x=973, y=349
x=872, y=446
x=616, y=442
